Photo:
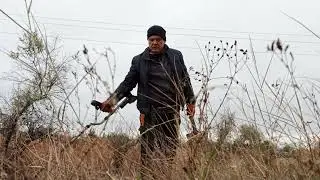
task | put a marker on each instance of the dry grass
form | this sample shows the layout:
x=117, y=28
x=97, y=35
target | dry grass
x=100, y=158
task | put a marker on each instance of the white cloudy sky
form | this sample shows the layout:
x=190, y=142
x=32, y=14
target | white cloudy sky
x=121, y=25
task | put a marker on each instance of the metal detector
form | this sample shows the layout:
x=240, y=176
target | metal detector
x=128, y=100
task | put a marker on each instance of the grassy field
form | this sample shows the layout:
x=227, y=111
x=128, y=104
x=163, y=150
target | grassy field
x=118, y=157
x=249, y=118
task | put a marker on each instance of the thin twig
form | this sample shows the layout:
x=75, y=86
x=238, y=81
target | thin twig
x=299, y=22
x=15, y=21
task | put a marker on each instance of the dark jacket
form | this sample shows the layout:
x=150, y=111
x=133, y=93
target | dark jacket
x=138, y=74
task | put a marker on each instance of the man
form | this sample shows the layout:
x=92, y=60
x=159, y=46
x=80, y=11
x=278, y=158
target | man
x=163, y=88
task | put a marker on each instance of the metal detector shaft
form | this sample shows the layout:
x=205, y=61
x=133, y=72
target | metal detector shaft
x=128, y=100
x=94, y=124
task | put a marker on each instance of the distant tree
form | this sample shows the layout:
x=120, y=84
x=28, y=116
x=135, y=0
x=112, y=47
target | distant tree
x=250, y=135
x=225, y=127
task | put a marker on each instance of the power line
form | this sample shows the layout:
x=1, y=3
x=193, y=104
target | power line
x=178, y=34
x=170, y=27
x=141, y=44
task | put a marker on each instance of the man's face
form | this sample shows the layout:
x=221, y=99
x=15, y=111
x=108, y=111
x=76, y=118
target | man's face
x=156, y=44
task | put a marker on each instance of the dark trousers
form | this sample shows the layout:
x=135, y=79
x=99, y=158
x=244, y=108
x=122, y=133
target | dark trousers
x=159, y=136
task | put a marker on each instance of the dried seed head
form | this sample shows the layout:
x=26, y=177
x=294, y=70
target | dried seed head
x=279, y=45
x=291, y=56
x=85, y=50
x=272, y=46
x=268, y=48
x=286, y=48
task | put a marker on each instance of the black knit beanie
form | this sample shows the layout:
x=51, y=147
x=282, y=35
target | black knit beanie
x=157, y=30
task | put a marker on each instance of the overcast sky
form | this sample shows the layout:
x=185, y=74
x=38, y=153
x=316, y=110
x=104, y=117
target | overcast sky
x=122, y=25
